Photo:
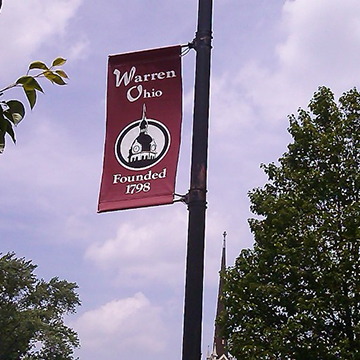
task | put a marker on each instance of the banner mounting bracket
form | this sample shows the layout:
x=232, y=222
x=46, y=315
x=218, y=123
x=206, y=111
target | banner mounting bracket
x=183, y=198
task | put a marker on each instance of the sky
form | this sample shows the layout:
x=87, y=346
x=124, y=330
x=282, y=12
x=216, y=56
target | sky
x=268, y=59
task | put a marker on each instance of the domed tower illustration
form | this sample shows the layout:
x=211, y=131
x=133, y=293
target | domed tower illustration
x=144, y=146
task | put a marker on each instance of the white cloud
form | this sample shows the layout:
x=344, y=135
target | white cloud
x=321, y=47
x=323, y=41
x=80, y=50
x=153, y=251
x=46, y=174
x=127, y=326
x=49, y=150
x=230, y=107
x=28, y=25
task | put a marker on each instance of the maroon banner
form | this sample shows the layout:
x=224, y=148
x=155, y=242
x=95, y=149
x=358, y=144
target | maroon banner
x=143, y=128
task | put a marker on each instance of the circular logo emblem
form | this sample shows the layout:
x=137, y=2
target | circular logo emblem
x=142, y=144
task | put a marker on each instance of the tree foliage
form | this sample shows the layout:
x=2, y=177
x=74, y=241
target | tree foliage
x=32, y=311
x=13, y=111
x=296, y=294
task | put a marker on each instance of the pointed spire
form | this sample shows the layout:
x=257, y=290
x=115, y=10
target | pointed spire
x=223, y=256
x=219, y=342
x=143, y=123
x=144, y=112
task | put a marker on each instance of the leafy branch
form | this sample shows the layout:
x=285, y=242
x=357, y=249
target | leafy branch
x=13, y=111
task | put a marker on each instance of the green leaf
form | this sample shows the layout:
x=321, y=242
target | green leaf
x=3, y=124
x=16, y=111
x=10, y=131
x=2, y=141
x=5, y=127
x=62, y=73
x=54, y=78
x=58, y=61
x=38, y=65
x=29, y=83
x=31, y=96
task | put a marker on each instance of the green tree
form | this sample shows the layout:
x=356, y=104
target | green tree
x=13, y=111
x=296, y=294
x=32, y=312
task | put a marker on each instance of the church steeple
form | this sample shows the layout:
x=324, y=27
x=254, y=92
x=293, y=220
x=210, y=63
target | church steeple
x=219, y=342
x=219, y=346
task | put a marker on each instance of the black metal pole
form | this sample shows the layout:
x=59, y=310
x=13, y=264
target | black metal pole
x=198, y=188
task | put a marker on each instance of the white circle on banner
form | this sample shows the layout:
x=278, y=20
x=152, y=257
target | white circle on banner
x=142, y=144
